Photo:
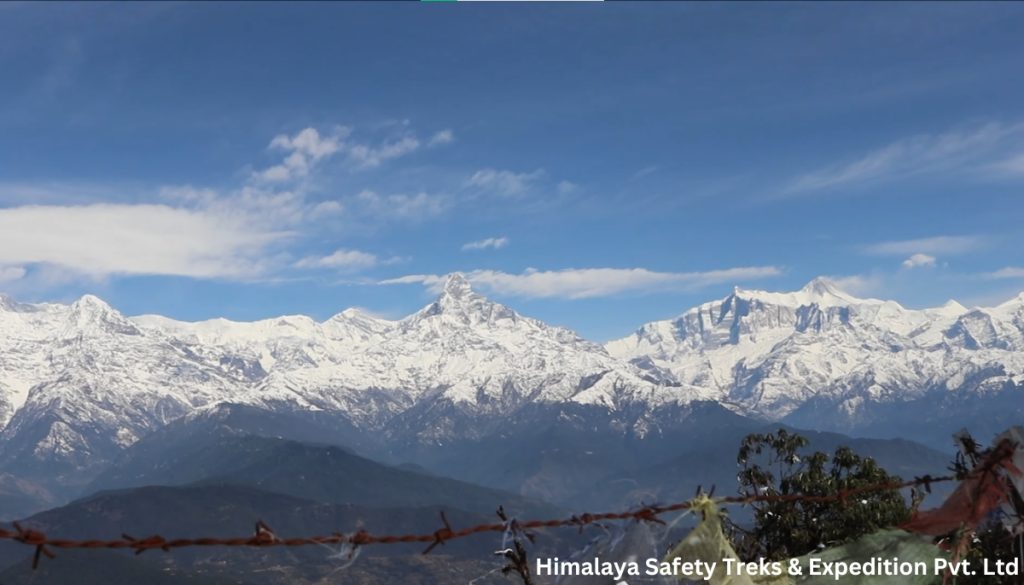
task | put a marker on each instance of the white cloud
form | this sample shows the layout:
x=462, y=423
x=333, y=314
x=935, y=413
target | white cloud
x=309, y=142
x=103, y=239
x=859, y=284
x=326, y=208
x=345, y=260
x=1008, y=272
x=931, y=246
x=11, y=273
x=505, y=183
x=308, y=147
x=926, y=153
x=400, y=206
x=445, y=136
x=304, y=149
x=590, y=282
x=919, y=261
x=566, y=187
x=200, y=232
x=494, y=243
x=255, y=205
x=368, y=156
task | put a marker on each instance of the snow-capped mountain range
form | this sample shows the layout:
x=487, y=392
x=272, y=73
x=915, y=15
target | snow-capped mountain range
x=770, y=353
x=80, y=382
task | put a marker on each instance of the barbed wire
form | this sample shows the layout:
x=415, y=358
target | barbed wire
x=264, y=536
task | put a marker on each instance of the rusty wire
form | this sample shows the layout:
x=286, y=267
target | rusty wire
x=263, y=536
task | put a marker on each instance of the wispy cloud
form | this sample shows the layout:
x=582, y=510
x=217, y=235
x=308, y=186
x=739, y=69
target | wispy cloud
x=345, y=260
x=493, y=243
x=1011, y=166
x=13, y=193
x=566, y=187
x=648, y=170
x=198, y=232
x=1007, y=273
x=326, y=209
x=919, y=261
x=937, y=245
x=367, y=156
x=250, y=231
x=304, y=150
x=504, y=183
x=445, y=136
x=309, y=146
x=11, y=273
x=399, y=206
x=859, y=284
x=267, y=208
x=590, y=282
x=925, y=153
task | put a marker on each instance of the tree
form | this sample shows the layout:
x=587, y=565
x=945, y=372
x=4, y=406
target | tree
x=776, y=464
x=992, y=541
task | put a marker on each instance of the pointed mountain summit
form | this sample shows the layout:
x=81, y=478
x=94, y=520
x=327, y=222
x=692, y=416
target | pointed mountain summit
x=356, y=326
x=91, y=315
x=459, y=304
x=466, y=352
x=821, y=287
x=457, y=294
x=360, y=318
x=457, y=286
x=1011, y=304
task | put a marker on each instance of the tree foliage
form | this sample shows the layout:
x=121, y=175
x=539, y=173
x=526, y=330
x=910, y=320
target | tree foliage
x=777, y=463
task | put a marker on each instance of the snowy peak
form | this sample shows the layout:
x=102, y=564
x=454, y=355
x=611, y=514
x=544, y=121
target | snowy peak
x=357, y=326
x=457, y=286
x=950, y=308
x=90, y=315
x=351, y=314
x=822, y=287
x=458, y=296
x=820, y=291
x=459, y=305
x=82, y=378
x=360, y=318
x=1011, y=305
x=772, y=351
x=91, y=305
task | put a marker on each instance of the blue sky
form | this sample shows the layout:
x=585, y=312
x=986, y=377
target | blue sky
x=594, y=165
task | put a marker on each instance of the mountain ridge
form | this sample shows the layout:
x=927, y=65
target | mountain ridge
x=79, y=383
